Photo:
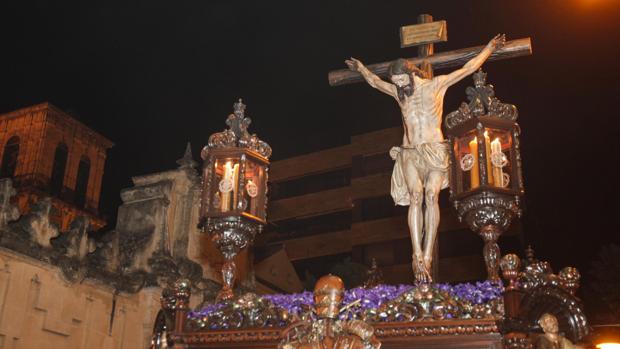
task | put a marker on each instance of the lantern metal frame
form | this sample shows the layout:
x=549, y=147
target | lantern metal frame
x=234, y=228
x=243, y=156
x=487, y=208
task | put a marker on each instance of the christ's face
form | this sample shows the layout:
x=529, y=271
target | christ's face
x=401, y=80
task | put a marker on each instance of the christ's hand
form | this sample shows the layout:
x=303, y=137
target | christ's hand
x=473, y=64
x=497, y=42
x=371, y=78
x=354, y=64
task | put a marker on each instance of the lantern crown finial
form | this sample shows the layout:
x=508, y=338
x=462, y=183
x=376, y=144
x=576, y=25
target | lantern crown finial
x=238, y=123
x=480, y=78
x=237, y=135
x=239, y=108
x=482, y=102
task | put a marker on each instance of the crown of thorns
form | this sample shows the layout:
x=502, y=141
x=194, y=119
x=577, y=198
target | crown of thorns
x=403, y=66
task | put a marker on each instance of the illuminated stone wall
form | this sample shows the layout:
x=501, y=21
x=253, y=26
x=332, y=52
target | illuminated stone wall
x=39, y=309
x=62, y=288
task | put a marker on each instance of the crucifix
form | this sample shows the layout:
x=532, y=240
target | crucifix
x=421, y=161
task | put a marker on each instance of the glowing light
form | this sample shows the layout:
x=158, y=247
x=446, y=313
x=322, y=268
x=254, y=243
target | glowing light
x=608, y=346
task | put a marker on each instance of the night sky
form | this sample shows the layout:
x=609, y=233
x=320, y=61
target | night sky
x=152, y=75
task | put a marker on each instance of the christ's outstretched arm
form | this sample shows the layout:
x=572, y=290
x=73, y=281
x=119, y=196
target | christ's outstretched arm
x=372, y=79
x=470, y=67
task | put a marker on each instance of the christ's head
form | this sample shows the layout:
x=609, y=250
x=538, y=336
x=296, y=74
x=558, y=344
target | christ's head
x=401, y=74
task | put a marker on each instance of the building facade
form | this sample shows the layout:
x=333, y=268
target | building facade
x=47, y=152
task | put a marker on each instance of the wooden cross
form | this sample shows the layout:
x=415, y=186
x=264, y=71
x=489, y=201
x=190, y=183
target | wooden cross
x=424, y=35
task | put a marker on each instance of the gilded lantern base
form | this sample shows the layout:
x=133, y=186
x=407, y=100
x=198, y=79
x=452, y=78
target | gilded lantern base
x=231, y=235
x=489, y=214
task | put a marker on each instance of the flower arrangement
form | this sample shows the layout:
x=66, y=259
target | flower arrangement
x=378, y=304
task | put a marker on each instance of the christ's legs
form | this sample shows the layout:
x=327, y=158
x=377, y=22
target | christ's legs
x=416, y=224
x=415, y=216
x=431, y=219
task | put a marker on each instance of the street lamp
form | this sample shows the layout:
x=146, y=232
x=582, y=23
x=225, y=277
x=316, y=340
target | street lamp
x=485, y=176
x=607, y=336
x=233, y=208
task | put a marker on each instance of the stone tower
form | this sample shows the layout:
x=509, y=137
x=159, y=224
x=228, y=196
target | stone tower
x=49, y=153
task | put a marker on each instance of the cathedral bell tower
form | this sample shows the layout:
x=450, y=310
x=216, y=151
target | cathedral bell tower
x=48, y=153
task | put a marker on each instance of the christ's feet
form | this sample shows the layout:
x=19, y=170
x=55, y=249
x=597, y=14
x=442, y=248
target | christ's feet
x=420, y=271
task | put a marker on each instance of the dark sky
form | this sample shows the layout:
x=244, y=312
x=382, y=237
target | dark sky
x=152, y=75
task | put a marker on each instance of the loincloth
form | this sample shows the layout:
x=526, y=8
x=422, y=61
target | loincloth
x=427, y=157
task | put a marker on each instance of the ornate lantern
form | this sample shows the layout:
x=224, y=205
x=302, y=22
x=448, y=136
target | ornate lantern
x=485, y=178
x=234, y=190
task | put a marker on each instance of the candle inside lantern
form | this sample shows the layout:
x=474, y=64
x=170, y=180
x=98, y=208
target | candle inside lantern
x=498, y=176
x=225, y=185
x=474, y=174
x=235, y=185
x=252, y=192
x=487, y=146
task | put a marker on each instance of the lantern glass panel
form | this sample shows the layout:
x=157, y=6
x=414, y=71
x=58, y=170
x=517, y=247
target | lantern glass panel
x=254, y=189
x=224, y=185
x=466, y=156
x=499, y=154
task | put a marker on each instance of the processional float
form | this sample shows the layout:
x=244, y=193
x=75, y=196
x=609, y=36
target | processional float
x=535, y=308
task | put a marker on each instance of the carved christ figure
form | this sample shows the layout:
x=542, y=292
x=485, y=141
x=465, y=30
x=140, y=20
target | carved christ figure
x=421, y=162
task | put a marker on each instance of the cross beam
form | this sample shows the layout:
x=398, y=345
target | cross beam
x=449, y=59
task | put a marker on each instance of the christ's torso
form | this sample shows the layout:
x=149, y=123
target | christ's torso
x=422, y=113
